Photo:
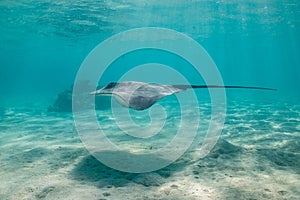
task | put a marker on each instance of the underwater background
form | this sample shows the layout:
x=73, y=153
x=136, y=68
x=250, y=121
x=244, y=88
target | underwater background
x=253, y=43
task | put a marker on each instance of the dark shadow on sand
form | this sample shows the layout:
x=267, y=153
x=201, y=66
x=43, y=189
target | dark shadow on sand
x=281, y=159
x=92, y=170
x=223, y=158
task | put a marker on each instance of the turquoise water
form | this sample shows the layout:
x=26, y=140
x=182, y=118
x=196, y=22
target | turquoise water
x=253, y=43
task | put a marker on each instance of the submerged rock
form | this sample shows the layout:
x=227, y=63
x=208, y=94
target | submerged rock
x=63, y=102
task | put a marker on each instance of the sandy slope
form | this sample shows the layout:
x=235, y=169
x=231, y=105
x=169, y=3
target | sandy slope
x=41, y=157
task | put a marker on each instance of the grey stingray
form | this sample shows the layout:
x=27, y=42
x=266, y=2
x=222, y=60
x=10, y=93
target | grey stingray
x=140, y=95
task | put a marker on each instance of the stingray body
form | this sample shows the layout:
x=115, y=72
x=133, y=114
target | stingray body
x=140, y=95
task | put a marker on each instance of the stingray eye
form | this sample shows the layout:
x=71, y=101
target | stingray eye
x=110, y=85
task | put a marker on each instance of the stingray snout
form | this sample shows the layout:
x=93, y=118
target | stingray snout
x=96, y=92
x=102, y=92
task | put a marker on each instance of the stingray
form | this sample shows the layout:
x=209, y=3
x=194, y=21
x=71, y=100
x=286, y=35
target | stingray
x=140, y=95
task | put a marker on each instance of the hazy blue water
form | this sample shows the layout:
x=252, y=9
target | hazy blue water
x=42, y=43
x=254, y=42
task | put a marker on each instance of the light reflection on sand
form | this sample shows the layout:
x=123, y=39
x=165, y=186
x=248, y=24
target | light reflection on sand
x=258, y=156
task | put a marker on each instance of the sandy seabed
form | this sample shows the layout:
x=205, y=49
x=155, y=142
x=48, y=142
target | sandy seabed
x=257, y=157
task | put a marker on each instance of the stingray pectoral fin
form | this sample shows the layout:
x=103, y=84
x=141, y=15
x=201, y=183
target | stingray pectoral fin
x=121, y=100
x=101, y=93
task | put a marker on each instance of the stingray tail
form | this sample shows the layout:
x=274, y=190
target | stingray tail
x=230, y=86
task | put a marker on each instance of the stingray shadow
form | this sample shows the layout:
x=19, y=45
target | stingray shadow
x=93, y=171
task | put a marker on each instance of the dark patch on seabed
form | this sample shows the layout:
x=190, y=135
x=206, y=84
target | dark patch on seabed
x=89, y=169
x=281, y=159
